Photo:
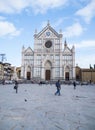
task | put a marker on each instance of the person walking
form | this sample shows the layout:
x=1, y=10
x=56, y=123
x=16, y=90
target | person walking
x=74, y=83
x=16, y=86
x=58, y=86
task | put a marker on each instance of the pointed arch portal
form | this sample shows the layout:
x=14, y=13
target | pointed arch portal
x=48, y=70
x=47, y=74
x=28, y=73
x=67, y=73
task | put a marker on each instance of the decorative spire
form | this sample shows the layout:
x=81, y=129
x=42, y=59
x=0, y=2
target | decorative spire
x=23, y=47
x=65, y=43
x=73, y=48
x=48, y=23
x=76, y=65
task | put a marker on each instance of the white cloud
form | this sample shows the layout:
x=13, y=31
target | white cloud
x=41, y=6
x=85, y=44
x=11, y=6
x=7, y=28
x=55, y=24
x=58, y=22
x=85, y=60
x=38, y=6
x=88, y=12
x=85, y=53
x=75, y=30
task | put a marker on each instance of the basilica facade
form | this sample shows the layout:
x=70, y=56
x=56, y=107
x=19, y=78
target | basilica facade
x=51, y=59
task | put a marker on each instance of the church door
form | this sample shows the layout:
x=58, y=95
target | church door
x=67, y=76
x=47, y=75
x=28, y=75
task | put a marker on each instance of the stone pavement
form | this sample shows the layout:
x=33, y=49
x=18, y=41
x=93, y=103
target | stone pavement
x=36, y=107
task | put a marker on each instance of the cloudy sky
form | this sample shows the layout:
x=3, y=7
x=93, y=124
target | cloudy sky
x=20, y=18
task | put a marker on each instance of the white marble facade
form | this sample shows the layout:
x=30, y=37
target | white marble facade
x=50, y=59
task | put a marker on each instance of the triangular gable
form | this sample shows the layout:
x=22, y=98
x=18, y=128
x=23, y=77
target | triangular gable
x=45, y=29
x=28, y=50
x=67, y=51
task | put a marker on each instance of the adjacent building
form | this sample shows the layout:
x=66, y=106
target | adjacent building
x=1, y=71
x=85, y=74
x=5, y=71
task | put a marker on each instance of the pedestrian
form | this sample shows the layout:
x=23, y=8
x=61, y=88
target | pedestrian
x=74, y=83
x=3, y=82
x=58, y=86
x=16, y=86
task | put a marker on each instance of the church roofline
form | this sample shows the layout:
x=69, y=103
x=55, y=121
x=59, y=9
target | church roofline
x=66, y=46
x=30, y=49
x=46, y=28
x=68, y=49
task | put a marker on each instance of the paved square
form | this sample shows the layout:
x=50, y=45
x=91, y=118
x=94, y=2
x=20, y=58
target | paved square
x=35, y=107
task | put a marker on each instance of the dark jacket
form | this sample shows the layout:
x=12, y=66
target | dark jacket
x=58, y=85
x=74, y=83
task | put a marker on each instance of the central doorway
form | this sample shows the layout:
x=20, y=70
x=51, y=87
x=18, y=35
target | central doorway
x=67, y=76
x=28, y=75
x=48, y=70
x=47, y=74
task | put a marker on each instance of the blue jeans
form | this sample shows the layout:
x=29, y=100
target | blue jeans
x=58, y=91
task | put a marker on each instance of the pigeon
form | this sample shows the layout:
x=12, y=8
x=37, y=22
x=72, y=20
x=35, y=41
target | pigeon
x=25, y=100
